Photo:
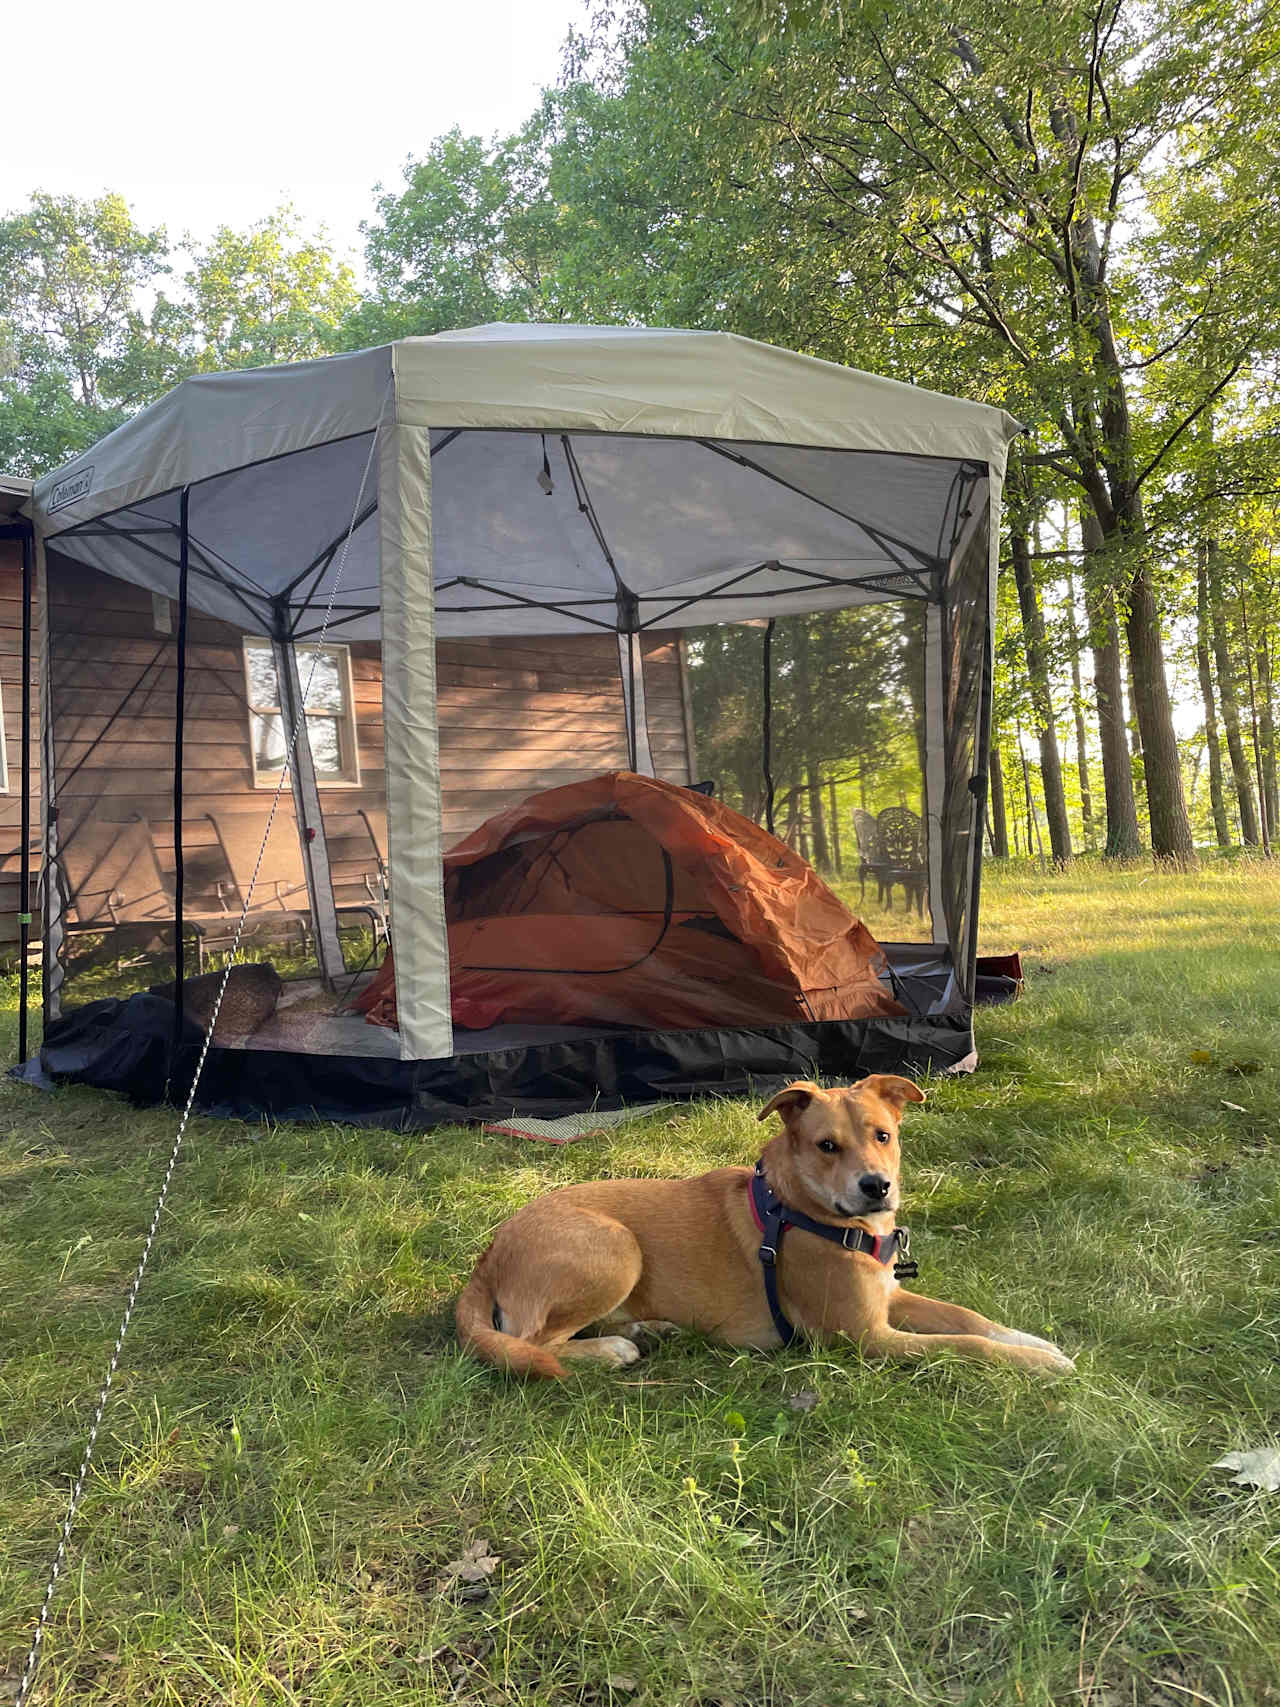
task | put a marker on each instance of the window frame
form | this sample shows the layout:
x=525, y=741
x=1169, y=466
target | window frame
x=345, y=720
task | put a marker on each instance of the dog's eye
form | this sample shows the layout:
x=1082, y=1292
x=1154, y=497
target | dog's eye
x=827, y=1147
x=882, y=1137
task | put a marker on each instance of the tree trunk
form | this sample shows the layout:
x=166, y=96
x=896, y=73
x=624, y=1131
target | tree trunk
x=1131, y=701
x=1228, y=697
x=1037, y=653
x=999, y=818
x=833, y=826
x=1077, y=700
x=1267, y=725
x=1123, y=840
x=1217, y=801
x=1161, y=760
x=791, y=835
x=1033, y=823
x=817, y=819
x=1265, y=822
x=1117, y=503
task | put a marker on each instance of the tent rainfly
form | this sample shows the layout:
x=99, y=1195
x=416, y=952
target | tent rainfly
x=508, y=482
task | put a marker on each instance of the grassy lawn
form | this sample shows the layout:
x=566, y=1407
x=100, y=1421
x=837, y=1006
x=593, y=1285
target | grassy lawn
x=295, y=1452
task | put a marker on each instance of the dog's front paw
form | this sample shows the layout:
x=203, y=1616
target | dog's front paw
x=1054, y=1357
x=616, y=1351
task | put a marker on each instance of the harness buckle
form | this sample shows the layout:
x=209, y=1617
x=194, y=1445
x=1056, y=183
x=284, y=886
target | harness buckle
x=768, y=1256
x=902, y=1269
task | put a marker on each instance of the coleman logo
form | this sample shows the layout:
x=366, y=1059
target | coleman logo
x=68, y=491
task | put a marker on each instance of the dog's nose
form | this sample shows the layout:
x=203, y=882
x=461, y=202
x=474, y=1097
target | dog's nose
x=875, y=1187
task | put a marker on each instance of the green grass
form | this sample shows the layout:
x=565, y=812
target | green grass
x=295, y=1451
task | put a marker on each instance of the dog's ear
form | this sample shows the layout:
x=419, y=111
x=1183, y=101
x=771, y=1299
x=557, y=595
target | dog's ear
x=893, y=1089
x=794, y=1100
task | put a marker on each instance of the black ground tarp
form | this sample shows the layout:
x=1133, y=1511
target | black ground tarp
x=124, y=1046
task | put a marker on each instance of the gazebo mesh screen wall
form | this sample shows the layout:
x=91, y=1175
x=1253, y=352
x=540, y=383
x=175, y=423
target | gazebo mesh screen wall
x=174, y=676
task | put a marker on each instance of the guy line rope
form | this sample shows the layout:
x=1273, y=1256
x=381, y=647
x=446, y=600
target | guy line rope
x=77, y=1492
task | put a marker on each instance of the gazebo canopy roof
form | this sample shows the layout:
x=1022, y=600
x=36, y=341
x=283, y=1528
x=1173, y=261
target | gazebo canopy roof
x=599, y=476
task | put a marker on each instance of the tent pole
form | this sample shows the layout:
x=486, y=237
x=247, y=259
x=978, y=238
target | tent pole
x=308, y=812
x=978, y=788
x=935, y=777
x=631, y=704
x=179, y=713
x=766, y=757
x=52, y=907
x=631, y=668
x=24, y=905
x=22, y=531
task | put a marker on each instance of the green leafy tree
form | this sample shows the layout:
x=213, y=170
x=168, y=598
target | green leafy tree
x=954, y=190
x=72, y=274
x=252, y=298
x=471, y=238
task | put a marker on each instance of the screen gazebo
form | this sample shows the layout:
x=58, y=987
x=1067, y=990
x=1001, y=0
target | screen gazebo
x=278, y=542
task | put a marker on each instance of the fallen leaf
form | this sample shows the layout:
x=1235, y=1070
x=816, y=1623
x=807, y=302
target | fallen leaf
x=1202, y=1057
x=476, y=1563
x=1257, y=1469
x=624, y=1684
x=1245, y=1069
x=804, y=1400
x=1234, y=1105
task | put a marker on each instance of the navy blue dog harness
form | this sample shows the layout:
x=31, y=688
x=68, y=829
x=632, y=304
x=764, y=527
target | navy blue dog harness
x=773, y=1217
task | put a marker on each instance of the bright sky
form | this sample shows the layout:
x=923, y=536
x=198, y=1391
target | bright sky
x=203, y=115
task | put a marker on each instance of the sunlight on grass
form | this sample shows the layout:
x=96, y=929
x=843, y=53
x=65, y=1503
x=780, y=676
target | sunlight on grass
x=296, y=1451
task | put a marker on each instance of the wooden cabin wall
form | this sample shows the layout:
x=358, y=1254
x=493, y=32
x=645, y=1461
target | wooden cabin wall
x=515, y=716
x=11, y=706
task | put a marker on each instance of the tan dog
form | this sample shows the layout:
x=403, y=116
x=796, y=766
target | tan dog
x=686, y=1252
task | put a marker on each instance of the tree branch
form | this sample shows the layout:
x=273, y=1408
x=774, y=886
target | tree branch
x=1188, y=421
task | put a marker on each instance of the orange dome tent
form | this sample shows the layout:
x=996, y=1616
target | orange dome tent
x=628, y=901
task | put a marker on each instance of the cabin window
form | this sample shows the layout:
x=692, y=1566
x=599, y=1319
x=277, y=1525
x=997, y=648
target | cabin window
x=161, y=614
x=4, y=754
x=324, y=675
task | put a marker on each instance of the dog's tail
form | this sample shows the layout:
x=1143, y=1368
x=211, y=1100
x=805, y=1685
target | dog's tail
x=474, y=1316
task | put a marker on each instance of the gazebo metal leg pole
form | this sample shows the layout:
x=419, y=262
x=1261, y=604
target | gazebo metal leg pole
x=179, y=729
x=52, y=917
x=24, y=905
x=978, y=785
x=631, y=665
x=935, y=780
x=766, y=724
x=310, y=819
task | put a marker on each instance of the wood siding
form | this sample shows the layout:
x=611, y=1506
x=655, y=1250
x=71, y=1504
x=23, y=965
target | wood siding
x=515, y=716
